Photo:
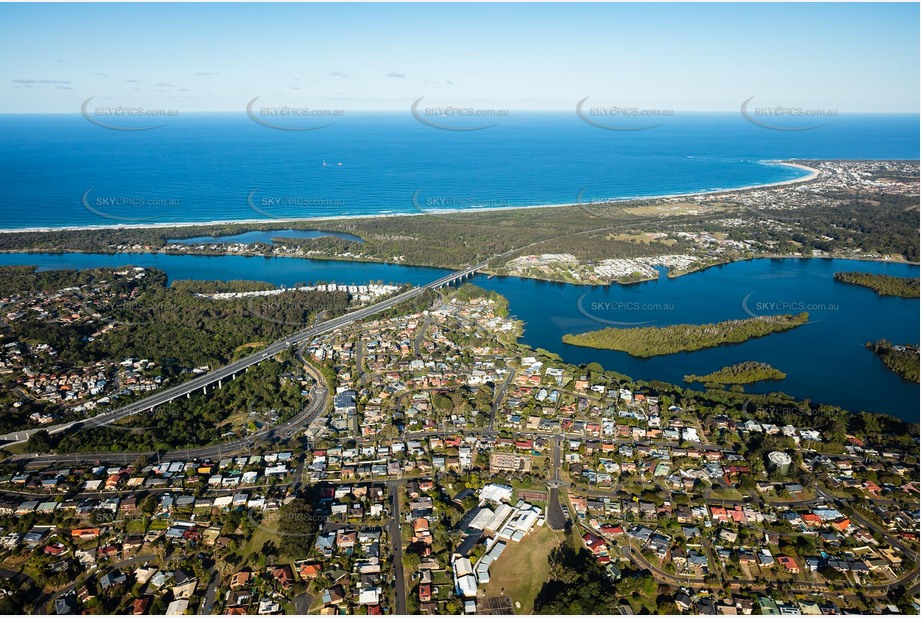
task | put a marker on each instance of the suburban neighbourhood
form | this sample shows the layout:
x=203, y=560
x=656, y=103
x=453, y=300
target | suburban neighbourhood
x=446, y=459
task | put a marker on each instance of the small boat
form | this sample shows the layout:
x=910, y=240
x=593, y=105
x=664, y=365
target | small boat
x=340, y=163
x=324, y=162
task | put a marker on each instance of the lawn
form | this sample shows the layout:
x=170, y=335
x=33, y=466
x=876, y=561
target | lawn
x=726, y=493
x=441, y=578
x=257, y=539
x=136, y=526
x=522, y=569
x=18, y=449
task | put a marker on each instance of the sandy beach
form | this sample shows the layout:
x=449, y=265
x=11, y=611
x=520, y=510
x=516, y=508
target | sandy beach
x=811, y=174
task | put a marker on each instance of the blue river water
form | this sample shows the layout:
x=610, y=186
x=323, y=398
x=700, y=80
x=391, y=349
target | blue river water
x=825, y=360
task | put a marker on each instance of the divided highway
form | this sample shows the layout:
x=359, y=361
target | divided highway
x=216, y=376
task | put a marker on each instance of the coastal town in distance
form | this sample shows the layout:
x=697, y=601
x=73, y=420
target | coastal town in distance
x=696, y=397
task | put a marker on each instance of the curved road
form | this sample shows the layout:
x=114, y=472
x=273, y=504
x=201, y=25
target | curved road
x=283, y=431
x=229, y=371
x=202, y=382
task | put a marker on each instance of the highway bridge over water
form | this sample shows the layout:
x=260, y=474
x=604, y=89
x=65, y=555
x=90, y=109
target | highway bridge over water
x=216, y=378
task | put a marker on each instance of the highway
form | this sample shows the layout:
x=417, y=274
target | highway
x=229, y=371
x=315, y=407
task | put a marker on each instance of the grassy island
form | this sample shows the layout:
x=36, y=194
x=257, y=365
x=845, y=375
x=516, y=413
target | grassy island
x=884, y=285
x=653, y=340
x=902, y=359
x=740, y=373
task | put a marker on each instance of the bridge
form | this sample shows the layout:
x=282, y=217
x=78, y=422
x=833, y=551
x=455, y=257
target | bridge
x=215, y=378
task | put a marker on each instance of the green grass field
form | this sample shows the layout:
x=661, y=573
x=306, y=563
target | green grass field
x=136, y=526
x=523, y=569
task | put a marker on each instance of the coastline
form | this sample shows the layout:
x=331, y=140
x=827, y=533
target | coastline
x=811, y=174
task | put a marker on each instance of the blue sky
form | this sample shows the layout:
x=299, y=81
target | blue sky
x=217, y=57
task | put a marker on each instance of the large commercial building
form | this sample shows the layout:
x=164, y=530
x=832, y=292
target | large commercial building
x=509, y=462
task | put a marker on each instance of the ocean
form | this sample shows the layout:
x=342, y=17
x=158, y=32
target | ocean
x=62, y=170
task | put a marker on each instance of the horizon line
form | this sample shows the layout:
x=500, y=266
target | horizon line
x=503, y=109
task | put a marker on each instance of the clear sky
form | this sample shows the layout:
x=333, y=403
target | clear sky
x=701, y=57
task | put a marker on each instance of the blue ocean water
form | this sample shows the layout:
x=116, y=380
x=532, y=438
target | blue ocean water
x=61, y=170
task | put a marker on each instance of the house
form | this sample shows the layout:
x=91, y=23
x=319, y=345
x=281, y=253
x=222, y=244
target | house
x=682, y=601
x=55, y=549
x=745, y=606
x=143, y=574
x=809, y=608
x=811, y=519
x=345, y=539
x=177, y=608
x=309, y=570
x=282, y=575
x=611, y=530
x=64, y=605
x=238, y=598
x=140, y=606
x=841, y=525
x=421, y=533
x=789, y=564
x=768, y=606
x=325, y=544
x=82, y=534
x=333, y=596
x=268, y=607
x=185, y=590
x=369, y=596
x=114, y=578
x=595, y=544
x=241, y=579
